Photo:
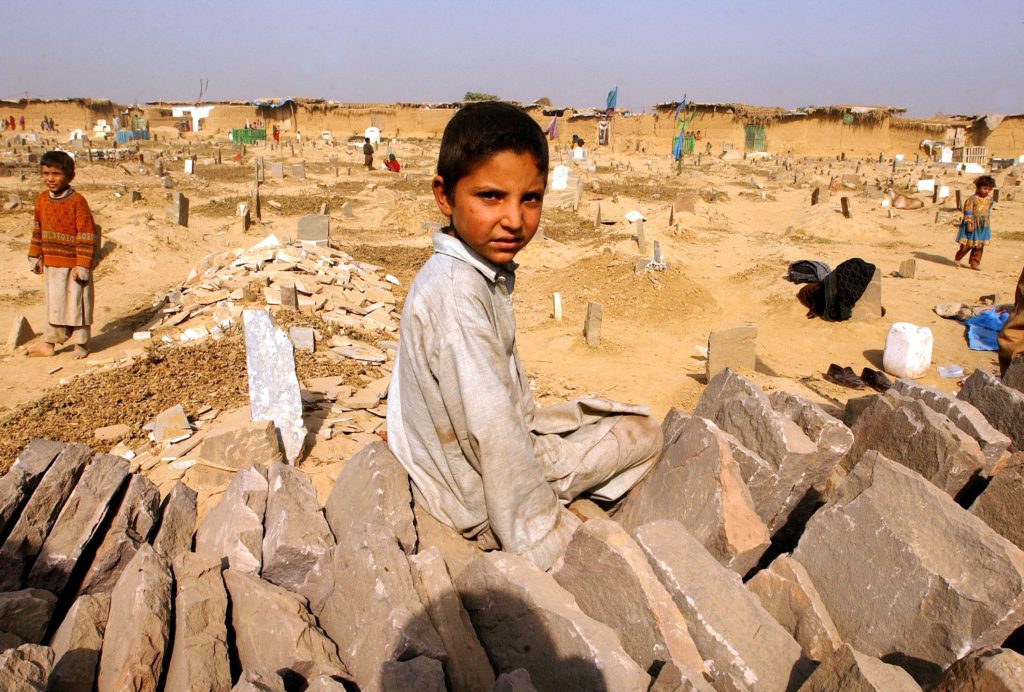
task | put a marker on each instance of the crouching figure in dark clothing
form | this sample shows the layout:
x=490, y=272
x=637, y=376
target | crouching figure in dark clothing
x=833, y=297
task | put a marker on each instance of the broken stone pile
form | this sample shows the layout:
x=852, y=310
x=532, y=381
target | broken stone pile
x=772, y=548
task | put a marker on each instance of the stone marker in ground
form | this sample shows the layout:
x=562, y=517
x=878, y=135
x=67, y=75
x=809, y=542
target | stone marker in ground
x=346, y=210
x=315, y=229
x=77, y=643
x=526, y=620
x=964, y=416
x=273, y=386
x=372, y=487
x=918, y=578
x=366, y=578
x=39, y=514
x=17, y=485
x=299, y=170
x=26, y=667
x=592, y=324
x=171, y=425
x=467, y=666
x=138, y=626
x=718, y=510
x=727, y=623
x=990, y=670
x=422, y=674
x=848, y=669
x=177, y=213
x=133, y=524
x=276, y=169
x=517, y=680
x=25, y=615
x=910, y=432
x=732, y=348
x=303, y=338
x=295, y=530
x=274, y=630
x=21, y=333
x=608, y=574
x=177, y=522
x=233, y=529
x=1001, y=405
x=1000, y=503
x=908, y=268
x=199, y=658
x=788, y=594
x=869, y=305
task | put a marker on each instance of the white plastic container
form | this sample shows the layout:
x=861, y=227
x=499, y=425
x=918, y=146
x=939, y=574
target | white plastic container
x=908, y=350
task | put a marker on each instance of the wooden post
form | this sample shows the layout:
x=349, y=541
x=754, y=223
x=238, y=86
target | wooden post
x=935, y=193
x=844, y=202
x=995, y=195
x=671, y=214
x=597, y=219
x=592, y=325
x=815, y=195
x=959, y=204
x=640, y=240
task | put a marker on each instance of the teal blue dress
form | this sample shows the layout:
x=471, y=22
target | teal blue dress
x=979, y=209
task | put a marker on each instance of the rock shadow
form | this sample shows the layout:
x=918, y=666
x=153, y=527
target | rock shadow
x=937, y=259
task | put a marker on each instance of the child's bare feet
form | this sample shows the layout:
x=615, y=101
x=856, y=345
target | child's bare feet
x=43, y=350
x=80, y=351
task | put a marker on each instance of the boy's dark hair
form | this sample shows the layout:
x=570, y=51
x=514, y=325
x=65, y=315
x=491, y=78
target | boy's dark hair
x=480, y=130
x=986, y=180
x=59, y=159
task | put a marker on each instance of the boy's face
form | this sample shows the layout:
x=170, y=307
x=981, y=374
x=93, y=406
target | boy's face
x=54, y=178
x=496, y=208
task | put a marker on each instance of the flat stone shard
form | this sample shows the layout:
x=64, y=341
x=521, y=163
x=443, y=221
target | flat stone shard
x=732, y=348
x=233, y=530
x=26, y=668
x=727, y=623
x=847, y=669
x=366, y=579
x=241, y=445
x=274, y=630
x=999, y=505
x=373, y=487
x=918, y=577
x=788, y=594
x=77, y=644
x=517, y=680
x=199, y=659
x=21, y=333
x=991, y=670
x=40, y=512
x=526, y=620
x=964, y=416
x=138, y=626
x=133, y=525
x=177, y=522
x=421, y=673
x=171, y=425
x=273, y=385
x=910, y=432
x=26, y=614
x=467, y=666
x=1001, y=405
x=22, y=478
x=699, y=484
x=608, y=574
x=295, y=530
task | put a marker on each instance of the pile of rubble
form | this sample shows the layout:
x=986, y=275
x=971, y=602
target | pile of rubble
x=904, y=568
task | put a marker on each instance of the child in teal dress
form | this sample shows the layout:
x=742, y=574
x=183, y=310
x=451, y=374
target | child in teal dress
x=975, y=231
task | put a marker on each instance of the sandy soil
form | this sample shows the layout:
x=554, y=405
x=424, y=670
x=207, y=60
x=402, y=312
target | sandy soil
x=726, y=260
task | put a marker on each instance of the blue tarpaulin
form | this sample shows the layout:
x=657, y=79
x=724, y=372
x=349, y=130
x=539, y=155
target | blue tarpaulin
x=983, y=330
x=613, y=98
x=273, y=104
x=125, y=136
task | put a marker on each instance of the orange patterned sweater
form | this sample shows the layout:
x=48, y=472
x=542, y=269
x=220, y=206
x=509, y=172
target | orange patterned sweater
x=63, y=232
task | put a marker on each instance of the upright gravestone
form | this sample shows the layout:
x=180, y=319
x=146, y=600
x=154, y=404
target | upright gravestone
x=276, y=170
x=869, y=306
x=641, y=241
x=556, y=306
x=190, y=166
x=346, y=210
x=178, y=211
x=299, y=170
x=733, y=348
x=592, y=325
x=314, y=229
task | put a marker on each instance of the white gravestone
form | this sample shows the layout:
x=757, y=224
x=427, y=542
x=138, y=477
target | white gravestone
x=560, y=178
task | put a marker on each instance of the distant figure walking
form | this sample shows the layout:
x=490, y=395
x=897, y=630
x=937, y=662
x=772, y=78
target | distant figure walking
x=367, y=153
x=975, y=231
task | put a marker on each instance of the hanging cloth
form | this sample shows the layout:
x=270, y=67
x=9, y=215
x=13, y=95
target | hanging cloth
x=552, y=129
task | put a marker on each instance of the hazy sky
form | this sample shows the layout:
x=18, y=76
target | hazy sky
x=928, y=56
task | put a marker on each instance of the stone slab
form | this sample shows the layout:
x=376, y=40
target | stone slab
x=999, y=505
x=233, y=529
x=26, y=614
x=77, y=644
x=1003, y=406
x=989, y=670
x=273, y=385
x=734, y=348
x=237, y=445
x=21, y=333
x=869, y=306
x=199, y=659
x=177, y=522
x=848, y=669
x=295, y=532
x=17, y=485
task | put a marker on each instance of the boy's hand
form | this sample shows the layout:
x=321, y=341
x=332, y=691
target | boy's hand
x=35, y=265
x=81, y=274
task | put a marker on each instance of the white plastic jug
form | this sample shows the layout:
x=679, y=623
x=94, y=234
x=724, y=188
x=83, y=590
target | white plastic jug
x=908, y=350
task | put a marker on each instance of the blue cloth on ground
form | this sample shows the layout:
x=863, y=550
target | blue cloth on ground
x=983, y=330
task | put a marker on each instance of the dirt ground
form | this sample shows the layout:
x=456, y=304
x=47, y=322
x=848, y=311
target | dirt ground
x=726, y=265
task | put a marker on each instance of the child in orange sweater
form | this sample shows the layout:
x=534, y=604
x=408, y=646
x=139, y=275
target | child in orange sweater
x=63, y=250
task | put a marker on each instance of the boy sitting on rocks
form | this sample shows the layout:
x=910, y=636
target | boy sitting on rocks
x=461, y=420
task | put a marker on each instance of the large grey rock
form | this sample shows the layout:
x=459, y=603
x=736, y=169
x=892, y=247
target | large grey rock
x=422, y=674
x=786, y=446
x=526, y=620
x=910, y=432
x=608, y=574
x=133, y=525
x=788, y=594
x=990, y=670
x=77, y=644
x=517, y=680
x=917, y=577
x=848, y=669
x=138, y=625
x=22, y=478
x=199, y=659
x=260, y=680
x=999, y=505
x=372, y=487
x=273, y=385
x=233, y=530
x=177, y=522
x=324, y=683
x=747, y=647
x=964, y=416
x=1014, y=375
x=26, y=668
x=698, y=483
x=467, y=666
x=275, y=631
x=1001, y=405
x=364, y=579
x=26, y=614
x=76, y=527
x=295, y=531
x=241, y=444
x=30, y=531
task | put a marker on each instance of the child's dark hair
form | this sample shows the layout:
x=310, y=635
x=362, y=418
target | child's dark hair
x=985, y=181
x=59, y=159
x=480, y=130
